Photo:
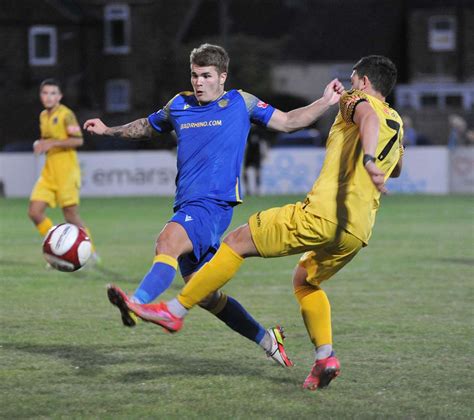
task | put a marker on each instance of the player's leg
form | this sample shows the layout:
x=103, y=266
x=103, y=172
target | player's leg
x=262, y=236
x=206, y=239
x=313, y=268
x=42, y=196
x=36, y=212
x=236, y=317
x=172, y=242
x=71, y=215
x=204, y=230
x=316, y=312
x=68, y=190
x=221, y=268
x=269, y=234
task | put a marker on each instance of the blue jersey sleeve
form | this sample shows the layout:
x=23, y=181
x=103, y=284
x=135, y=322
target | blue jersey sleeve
x=160, y=120
x=259, y=111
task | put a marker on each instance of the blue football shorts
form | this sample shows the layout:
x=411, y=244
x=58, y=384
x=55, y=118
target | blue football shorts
x=205, y=221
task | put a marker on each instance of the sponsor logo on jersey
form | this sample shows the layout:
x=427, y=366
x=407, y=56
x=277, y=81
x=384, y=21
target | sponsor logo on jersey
x=262, y=104
x=200, y=124
x=223, y=103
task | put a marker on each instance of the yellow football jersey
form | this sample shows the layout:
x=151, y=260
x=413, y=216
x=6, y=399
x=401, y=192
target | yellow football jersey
x=60, y=177
x=344, y=193
x=60, y=125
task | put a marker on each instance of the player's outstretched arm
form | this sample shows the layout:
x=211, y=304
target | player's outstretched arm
x=369, y=126
x=305, y=116
x=138, y=129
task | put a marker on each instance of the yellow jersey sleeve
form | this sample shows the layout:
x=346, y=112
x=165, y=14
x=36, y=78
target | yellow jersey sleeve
x=348, y=102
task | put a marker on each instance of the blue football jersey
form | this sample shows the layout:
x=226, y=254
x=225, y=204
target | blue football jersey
x=211, y=142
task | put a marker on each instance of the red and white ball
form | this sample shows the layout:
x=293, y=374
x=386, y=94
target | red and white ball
x=67, y=247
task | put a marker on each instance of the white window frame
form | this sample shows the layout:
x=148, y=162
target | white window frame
x=121, y=106
x=34, y=31
x=116, y=12
x=442, y=39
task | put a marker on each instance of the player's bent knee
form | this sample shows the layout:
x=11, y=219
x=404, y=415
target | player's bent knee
x=299, y=276
x=240, y=240
x=232, y=238
x=214, y=302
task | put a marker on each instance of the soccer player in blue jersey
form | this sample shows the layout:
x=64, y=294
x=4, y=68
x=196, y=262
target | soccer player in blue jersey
x=211, y=126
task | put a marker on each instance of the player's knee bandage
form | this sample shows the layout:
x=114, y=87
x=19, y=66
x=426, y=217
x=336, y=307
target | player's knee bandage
x=215, y=302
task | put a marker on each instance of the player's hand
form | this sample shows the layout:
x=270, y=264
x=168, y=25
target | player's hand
x=95, y=126
x=333, y=92
x=377, y=176
x=42, y=146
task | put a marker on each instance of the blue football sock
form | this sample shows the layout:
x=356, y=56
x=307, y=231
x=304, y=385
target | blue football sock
x=237, y=318
x=157, y=280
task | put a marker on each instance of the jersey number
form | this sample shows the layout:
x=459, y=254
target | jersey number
x=386, y=150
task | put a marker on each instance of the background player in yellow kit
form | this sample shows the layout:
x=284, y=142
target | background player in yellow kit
x=331, y=226
x=60, y=179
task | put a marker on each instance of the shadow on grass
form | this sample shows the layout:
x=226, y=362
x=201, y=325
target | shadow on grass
x=172, y=365
x=18, y=263
x=462, y=261
x=94, y=360
x=102, y=273
x=89, y=360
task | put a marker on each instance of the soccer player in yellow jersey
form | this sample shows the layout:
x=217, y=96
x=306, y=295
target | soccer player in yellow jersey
x=60, y=179
x=332, y=224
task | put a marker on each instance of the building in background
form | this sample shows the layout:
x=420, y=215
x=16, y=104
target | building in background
x=122, y=60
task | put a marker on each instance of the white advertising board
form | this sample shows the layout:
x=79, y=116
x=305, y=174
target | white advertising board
x=128, y=173
x=462, y=170
x=104, y=174
x=426, y=170
x=291, y=170
x=294, y=170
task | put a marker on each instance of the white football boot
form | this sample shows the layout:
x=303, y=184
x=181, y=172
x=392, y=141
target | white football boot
x=277, y=352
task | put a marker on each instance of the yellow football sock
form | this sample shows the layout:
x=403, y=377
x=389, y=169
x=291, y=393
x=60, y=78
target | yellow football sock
x=90, y=237
x=166, y=259
x=211, y=277
x=44, y=226
x=316, y=313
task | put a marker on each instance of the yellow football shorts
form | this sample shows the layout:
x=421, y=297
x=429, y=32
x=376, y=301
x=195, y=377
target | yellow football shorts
x=291, y=230
x=57, y=190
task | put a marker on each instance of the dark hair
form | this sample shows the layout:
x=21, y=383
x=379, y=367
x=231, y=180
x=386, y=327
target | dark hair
x=210, y=55
x=380, y=70
x=50, y=82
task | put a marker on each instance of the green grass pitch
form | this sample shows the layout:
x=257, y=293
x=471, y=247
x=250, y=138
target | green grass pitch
x=402, y=322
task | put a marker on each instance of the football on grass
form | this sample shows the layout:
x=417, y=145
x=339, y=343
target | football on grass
x=67, y=247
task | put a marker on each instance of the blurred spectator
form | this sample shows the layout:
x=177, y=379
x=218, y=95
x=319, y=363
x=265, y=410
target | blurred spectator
x=254, y=155
x=458, y=133
x=470, y=137
x=411, y=136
